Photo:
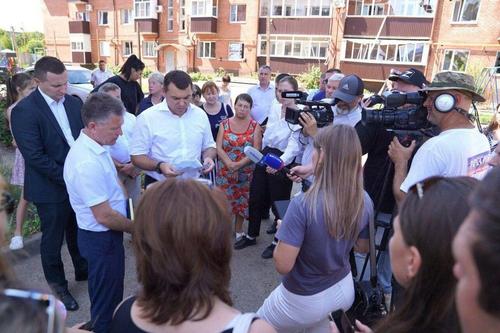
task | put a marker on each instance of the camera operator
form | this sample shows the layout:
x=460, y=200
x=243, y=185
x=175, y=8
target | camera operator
x=411, y=80
x=460, y=149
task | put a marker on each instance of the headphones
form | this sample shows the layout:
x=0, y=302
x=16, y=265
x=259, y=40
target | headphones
x=445, y=102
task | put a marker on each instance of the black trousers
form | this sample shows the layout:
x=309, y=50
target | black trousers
x=57, y=221
x=106, y=257
x=265, y=188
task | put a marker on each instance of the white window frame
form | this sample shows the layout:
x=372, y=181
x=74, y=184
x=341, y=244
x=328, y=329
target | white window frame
x=460, y=20
x=307, y=44
x=170, y=15
x=362, y=50
x=231, y=54
x=233, y=13
x=200, y=53
x=453, y=54
x=204, y=8
x=411, y=8
x=101, y=15
x=149, y=49
x=126, y=13
x=324, y=5
x=145, y=8
x=131, y=47
x=182, y=15
x=77, y=46
x=104, y=49
x=82, y=16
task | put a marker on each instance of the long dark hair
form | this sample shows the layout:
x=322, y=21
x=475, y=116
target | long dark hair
x=132, y=62
x=430, y=216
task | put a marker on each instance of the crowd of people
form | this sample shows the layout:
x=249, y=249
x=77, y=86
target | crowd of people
x=81, y=166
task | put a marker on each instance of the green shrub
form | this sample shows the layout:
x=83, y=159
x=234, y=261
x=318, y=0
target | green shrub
x=115, y=69
x=310, y=79
x=5, y=136
x=198, y=76
x=146, y=72
x=220, y=72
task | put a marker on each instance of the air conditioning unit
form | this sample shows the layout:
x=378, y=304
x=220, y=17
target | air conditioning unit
x=88, y=8
x=339, y=4
x=159, y=9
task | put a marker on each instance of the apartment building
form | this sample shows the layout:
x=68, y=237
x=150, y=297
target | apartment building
x=366, y=37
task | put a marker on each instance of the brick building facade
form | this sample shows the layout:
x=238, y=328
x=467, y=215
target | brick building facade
x=366, y=37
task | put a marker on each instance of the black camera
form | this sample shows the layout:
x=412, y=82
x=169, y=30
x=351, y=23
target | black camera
x=397, y=115
x=321, y=111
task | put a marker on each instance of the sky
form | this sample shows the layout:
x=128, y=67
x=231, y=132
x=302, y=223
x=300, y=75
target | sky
x=21, y=14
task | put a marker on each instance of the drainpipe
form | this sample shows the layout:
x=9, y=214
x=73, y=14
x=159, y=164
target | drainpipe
x=115, y=33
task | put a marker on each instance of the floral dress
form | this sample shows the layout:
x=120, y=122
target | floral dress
x=236, y=184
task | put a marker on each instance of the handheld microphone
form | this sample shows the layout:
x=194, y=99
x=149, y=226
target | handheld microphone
x=271, y=161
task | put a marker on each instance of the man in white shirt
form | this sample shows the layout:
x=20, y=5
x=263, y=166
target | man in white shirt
x=170, y=137
x=262, y=95
x=459, y=150
x=120, y=151
x=98, y=199
x=100, y=75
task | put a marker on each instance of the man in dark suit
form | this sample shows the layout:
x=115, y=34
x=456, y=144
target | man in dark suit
x=45, y=124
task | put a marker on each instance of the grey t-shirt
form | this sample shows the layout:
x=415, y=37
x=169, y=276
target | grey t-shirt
x=322, y=260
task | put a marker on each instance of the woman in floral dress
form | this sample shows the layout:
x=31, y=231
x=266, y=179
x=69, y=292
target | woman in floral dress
x=234, y=168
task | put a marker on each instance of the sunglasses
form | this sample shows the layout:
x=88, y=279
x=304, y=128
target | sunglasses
x=47, y=302
x=420, y=187
x=7, y=203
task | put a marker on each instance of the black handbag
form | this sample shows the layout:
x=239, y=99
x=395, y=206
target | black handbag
x=369, y=302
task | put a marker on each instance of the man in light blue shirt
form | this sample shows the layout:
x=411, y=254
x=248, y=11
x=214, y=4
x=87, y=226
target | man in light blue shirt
x=262, y=95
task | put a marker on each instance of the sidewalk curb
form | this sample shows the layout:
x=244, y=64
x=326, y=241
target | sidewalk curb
x=31, y=248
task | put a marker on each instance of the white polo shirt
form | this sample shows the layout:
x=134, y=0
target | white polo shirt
x=91, y=179
x=164, y=136
x=262, y=99
x=120, y=151
x=99, y=76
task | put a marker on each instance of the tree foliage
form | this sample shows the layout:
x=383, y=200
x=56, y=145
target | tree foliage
x=27, y=42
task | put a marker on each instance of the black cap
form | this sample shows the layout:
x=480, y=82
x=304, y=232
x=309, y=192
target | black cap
x=411, y=76
x=349, y=88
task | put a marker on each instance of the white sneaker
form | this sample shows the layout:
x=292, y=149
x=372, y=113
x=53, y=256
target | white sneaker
x=16, y=243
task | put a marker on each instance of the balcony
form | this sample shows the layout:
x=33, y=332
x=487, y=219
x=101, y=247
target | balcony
x=78, y=1
x=204, y=24
x=298, y=26
x=394, y=27
x=147, y=26
x=78, y=57
x=79, y=27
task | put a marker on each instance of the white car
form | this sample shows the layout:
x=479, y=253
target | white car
x=78, y=81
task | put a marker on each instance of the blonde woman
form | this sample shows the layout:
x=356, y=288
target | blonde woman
x=317, y=233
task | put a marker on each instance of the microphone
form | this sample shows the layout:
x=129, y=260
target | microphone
x=270, y=160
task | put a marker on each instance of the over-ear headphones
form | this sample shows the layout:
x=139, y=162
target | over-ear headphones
x=445, y=102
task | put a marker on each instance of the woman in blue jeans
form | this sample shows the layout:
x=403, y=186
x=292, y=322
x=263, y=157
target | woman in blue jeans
x=319, y=229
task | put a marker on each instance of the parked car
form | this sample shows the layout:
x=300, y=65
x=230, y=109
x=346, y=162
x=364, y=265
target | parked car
x=78, y=81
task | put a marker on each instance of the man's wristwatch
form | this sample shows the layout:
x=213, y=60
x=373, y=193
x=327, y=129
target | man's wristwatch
x=158, y=165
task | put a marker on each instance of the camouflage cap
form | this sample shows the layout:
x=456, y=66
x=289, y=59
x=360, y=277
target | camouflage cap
x=449, y=80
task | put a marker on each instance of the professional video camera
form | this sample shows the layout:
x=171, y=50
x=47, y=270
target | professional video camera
x=321, y=111
x=396, y=116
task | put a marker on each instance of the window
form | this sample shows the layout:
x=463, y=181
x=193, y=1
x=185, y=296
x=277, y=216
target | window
x=182, y=15
x=204, y=8
x=206, y=50
x=127, y=49
x=455, y=60
x=104, y=49
x=127, y=16
x=236, y=51
x=103, y=17
x=82, y=16
x=465, y=10
x=391, y=7
x=149, y=49
x=144, y=8
x=170, y=15
x=238, y=13
x=294, y=46
x=76, y=46
x=386, y=51
x=296, y=7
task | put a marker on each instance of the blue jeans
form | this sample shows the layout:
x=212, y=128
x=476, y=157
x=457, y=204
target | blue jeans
x=105, y=256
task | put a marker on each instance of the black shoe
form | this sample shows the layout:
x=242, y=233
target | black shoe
x=69, y=302
x=268, y=252
x=244, y=242
x=84, y=276
x=272, y=229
